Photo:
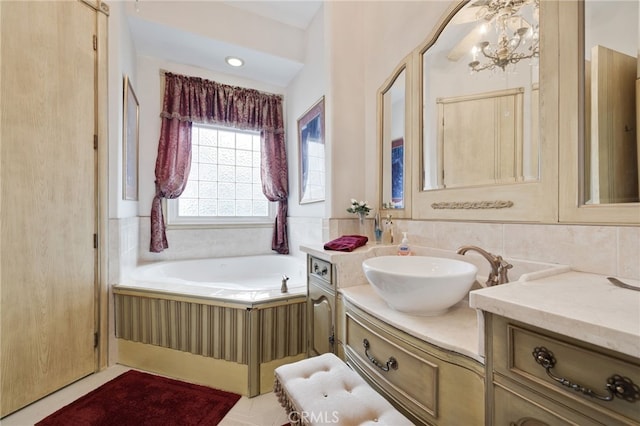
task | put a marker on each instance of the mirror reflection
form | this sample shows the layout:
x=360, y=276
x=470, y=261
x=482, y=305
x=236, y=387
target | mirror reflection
x=393, y=143
x=611, y=71
x=480, y=97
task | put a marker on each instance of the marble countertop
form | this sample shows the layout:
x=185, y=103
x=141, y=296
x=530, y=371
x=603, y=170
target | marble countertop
x=581, y=305
x=458, y=330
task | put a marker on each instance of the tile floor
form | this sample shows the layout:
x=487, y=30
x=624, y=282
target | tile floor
x=263, y=410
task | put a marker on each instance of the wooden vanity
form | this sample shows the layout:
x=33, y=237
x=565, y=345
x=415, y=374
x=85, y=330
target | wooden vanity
x=492, y=359
x=429, y=368
x=428, y=383
x=554, y=348
x=522, y=391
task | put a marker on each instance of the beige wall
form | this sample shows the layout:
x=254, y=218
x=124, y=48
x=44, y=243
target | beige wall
x=388, y=32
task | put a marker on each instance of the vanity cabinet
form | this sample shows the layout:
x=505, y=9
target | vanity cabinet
x=428, y=384
x=321, y=306
x=543, y=378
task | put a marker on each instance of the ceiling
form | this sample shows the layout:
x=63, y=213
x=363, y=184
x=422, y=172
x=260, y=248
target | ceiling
x=295, y=13
x=174, y=40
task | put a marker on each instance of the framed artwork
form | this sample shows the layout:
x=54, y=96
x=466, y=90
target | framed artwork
x=397, y=173
x=130, y=142
x=311, y=148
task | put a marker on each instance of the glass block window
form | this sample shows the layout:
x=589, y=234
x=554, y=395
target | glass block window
x=224, y=184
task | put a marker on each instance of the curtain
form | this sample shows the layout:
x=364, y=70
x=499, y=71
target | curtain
x=195, y=100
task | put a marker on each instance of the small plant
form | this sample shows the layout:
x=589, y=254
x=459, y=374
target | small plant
x=359, y=207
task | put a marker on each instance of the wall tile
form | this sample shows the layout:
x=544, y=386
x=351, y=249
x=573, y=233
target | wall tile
x=304, y=231
x=205, y=243
x=628, y=252
x=607, y=250
x=452, y=235
x=584, y=248
x=420, y=233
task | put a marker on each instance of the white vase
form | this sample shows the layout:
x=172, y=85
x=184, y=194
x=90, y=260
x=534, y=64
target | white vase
x=361, y=223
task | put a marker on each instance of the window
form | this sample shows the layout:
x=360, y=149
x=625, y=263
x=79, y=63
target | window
x=224, y=184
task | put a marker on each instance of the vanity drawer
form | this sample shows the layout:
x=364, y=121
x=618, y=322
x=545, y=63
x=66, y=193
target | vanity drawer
x=321, y=271
x=409, y=377
x=517, y=406
x=532, y=356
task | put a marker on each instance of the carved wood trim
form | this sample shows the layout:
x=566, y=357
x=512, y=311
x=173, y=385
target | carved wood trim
x=473, y=205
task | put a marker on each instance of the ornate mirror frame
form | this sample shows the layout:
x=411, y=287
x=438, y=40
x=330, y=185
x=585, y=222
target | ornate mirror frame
x=405, y=66
x=571, y=118
x=525, y=201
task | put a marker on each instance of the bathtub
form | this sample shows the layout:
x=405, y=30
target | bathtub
x=244, y=279
x=222, y=322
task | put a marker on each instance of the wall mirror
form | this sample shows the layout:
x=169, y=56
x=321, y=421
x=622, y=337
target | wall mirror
x=611, y=70
x=393, y=111
x=480, y=97
x=598, y=99
x=482, y=75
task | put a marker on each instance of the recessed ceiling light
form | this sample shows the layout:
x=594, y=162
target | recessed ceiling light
x=233, y=61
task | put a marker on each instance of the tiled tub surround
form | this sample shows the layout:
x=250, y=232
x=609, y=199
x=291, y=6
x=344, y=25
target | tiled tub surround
x=617, y=248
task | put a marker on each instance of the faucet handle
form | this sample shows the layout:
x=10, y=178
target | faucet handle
x=503, y=270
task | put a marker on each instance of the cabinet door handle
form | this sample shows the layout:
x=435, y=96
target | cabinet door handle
x=616, y=386
x=391, y=362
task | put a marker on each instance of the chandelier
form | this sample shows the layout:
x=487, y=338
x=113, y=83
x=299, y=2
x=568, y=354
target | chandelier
x=518, y=39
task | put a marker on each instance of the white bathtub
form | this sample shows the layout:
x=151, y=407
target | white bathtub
x=240, y=279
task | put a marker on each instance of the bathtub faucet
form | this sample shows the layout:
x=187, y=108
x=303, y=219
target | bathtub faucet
x=283, y=288
x=499, y=266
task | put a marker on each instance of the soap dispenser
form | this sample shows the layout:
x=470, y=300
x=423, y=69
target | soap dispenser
x=403, y=248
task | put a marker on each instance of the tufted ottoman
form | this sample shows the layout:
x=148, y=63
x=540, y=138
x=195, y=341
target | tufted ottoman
x=324, y=391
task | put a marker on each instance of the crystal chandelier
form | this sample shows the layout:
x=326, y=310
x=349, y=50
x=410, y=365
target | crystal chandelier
x=517, y=38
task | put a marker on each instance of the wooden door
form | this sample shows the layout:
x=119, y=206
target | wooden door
x=614, y=150
x=480, y=138
x=48, y=198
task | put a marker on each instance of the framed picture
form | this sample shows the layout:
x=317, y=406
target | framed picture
x=311, y=149
x=130, y=142
x=397, y=173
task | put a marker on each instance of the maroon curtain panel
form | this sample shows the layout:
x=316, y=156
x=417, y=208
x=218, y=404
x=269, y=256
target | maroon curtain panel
x=194, y=100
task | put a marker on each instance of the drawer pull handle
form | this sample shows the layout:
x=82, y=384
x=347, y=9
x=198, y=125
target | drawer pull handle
x=617, y=386
x=528, y=421
x=391, y=362
x=317, y=271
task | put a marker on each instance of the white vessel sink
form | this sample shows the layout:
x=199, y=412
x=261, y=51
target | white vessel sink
x=420, y=285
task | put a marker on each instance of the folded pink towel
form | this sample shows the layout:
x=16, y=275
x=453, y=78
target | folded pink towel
x=346, y=243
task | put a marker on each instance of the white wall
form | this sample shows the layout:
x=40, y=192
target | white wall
x=123, y=223
x=391, y=31
x=122, y=61
x=351, y=50
x=302, y=93
x=305, y=220
x=345, y=46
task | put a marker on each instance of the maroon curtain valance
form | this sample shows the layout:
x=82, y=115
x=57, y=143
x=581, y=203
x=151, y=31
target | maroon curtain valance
x=195, y=100
x=207, y=102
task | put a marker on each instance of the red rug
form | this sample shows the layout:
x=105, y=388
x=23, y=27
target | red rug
x=136, y=398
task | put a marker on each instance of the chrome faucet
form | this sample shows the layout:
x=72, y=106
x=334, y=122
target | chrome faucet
x=283, y=287
x=499, y=266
